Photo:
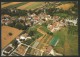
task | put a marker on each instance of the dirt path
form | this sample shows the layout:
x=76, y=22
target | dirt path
x=25, y=5
x=8, y=4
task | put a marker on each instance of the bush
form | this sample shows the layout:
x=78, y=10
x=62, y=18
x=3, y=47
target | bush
x=18, y=12
x=28, y=42
x=10, y=34
x=11, y=25
x=20, y=26
x=72, y=29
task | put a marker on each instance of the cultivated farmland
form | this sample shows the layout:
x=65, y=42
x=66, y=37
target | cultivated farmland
x=23, y=5
x=16, y=5
x=6, y=38
x=8, y=4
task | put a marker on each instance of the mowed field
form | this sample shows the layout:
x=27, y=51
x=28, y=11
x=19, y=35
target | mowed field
x=5, y=37
x=8, y=4
x=66, y=6
x=23, y=5
x=68, y=44
x=17, y=5
x=33, y=5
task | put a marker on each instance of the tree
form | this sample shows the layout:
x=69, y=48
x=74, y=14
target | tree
x=10, y=34
x=15, y=43
x=32, y=31
x=11, y=25
x=19, y=26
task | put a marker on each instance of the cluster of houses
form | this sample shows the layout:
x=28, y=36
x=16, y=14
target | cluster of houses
x=7, y=19
x=39, y=19
x=25, y=50
x=28, y=20
x=16, y=47
x=57, y=24
x=31, y=20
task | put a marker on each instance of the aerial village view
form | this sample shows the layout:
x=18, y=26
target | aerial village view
x=39, y=28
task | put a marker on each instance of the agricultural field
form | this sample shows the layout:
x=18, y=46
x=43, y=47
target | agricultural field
x=39, y=25
x=66, y=6
x=16, y=5
x=9, y=4
x=23, y=5
x=35, y=5
x=6, y=38
x=68, y=42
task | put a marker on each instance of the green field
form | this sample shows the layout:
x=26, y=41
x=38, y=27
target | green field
x=35, y=5
x=32, y=6
x=45, y=29
x=69, y=39
x=16, y=5
x=4, y=3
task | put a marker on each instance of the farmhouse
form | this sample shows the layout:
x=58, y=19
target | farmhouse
x=74, y=22
x=8, y=34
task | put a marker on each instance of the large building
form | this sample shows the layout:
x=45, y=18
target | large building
x=8, y=34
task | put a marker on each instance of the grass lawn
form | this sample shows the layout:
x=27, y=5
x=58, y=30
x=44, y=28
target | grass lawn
x=45, y=29
x=35, y=36
x=4, y=3
x=35, y=5
x=30, y=41
x=16, y=5
x=72, y=42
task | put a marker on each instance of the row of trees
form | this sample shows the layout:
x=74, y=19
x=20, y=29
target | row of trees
x=13, y=12
x=50, y=11
x=18, y=25
x=72, y=30
x=19, y=12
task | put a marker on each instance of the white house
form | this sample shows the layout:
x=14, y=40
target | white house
x=72, y=21
x=54, y=53
x=24, y=38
